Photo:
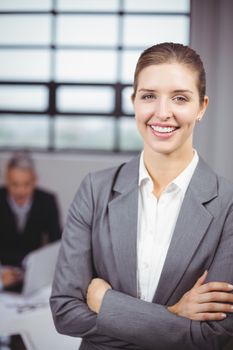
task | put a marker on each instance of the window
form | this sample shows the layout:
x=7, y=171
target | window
x=66, y=69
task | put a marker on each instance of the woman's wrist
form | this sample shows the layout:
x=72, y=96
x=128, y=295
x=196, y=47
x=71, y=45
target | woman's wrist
x=173, y=309
x=95, y=293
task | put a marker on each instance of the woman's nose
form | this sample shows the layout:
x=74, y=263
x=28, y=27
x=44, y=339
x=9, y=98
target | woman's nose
x=163, y=110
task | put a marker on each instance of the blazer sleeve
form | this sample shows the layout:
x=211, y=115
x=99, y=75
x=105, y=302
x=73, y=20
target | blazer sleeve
x=152, y=326
x=74, y=271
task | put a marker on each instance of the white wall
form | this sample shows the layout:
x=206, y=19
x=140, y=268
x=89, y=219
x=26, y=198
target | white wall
x=62, y=173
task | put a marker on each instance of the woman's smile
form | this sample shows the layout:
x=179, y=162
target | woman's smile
x=163, y=131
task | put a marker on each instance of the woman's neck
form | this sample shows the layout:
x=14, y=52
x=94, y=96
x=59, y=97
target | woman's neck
x=163, y=168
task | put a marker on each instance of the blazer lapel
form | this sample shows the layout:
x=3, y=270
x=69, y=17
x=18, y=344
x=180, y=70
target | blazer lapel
x=123, y=211
x=192, y=224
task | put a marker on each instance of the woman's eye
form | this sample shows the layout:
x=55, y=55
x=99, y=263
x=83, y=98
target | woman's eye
x=180, y=99
x=147, y=97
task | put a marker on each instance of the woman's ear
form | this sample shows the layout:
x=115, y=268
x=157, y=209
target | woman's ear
x=203, y=107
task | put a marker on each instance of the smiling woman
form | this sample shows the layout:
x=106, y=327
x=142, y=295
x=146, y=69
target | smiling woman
x=148, y=246
x=167, y=106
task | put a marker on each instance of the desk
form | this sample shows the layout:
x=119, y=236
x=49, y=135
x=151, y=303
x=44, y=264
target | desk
x=34, y=325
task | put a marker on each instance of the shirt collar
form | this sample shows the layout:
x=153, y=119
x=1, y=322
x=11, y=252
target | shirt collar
x=143, y=173
x=181, y=181
x=19, y=208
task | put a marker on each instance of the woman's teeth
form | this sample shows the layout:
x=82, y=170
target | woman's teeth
x=161, y=129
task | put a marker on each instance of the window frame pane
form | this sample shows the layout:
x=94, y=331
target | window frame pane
x=85, y=99
x=25, y=5
x=88, y=5
x=71, y=66
x=65, y=65
x=14, y=29
x=69, y=27
x=157, y=6
x=84, y=135
x=18, y=131
x=23, y=65
x=27, y=97
x=162, y=26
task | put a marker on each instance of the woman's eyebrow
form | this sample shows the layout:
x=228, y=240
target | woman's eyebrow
x=174, y=91
x=183, y=91
x=146, y=90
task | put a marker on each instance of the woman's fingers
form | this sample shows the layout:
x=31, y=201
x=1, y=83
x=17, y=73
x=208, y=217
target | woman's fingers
x=201, y=279
x=205, y=301
x=214, y=286
x=214, y=308
x=217, y=316
x=220, y=297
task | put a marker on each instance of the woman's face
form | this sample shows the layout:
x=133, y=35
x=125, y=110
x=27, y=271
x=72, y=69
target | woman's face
x=167, y=106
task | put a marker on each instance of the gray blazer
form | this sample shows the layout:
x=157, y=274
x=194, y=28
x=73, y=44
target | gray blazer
x=100, y=239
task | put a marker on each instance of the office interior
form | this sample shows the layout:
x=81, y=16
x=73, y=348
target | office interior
x=65, y=96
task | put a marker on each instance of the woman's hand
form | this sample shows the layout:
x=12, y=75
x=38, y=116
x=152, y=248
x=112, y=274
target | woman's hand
x=11, y=276
x=205, y=302
x=95, y=293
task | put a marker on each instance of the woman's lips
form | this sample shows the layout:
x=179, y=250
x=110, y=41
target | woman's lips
x=163, y=131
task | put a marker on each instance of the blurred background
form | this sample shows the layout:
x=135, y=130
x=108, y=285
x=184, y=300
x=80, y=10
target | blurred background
x=66, y=69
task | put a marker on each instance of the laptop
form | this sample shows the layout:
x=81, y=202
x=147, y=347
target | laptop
x=39, y=268
x=39, y=271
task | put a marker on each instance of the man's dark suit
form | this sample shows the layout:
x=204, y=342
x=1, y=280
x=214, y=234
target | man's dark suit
x=42, y=221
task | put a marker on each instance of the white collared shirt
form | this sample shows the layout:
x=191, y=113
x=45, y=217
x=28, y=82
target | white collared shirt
x=156, y=223
x=20, y=212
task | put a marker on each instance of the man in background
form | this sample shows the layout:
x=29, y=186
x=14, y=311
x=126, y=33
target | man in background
x=29, y=218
